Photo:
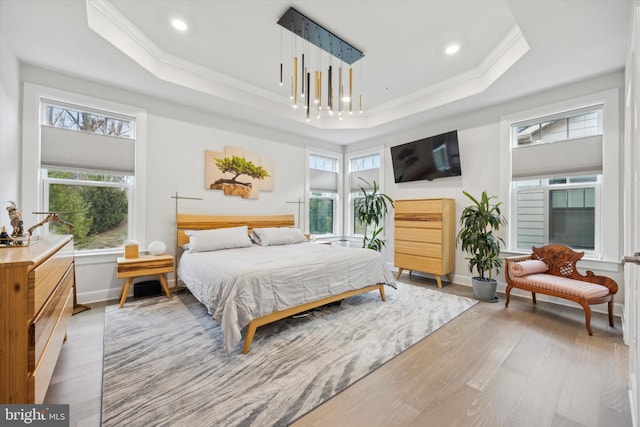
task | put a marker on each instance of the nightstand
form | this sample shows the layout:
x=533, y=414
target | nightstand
x=144, y=265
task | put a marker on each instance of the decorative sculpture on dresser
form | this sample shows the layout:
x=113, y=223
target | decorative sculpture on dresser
x=15, y=215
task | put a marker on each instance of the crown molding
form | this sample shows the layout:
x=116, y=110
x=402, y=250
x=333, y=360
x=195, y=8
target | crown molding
x=109, y=23
x=509, y=51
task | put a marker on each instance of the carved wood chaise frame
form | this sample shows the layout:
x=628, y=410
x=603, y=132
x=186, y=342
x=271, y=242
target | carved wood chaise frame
x=561, y=261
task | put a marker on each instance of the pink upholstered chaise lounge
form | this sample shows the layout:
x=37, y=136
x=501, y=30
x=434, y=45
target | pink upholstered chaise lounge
x=551, y=270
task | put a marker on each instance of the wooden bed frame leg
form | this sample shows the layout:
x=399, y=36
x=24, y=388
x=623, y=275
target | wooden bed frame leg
x=382, y=293
x=251, y=330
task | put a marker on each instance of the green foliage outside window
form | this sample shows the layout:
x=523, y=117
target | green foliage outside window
x=320, y=215
x=98, y=213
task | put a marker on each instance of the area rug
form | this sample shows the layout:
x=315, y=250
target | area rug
x=164, y=362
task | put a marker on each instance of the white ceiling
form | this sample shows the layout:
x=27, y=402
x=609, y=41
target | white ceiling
x=228, y=60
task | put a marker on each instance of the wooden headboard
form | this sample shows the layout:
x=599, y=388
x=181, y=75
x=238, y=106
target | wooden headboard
x=209, y=222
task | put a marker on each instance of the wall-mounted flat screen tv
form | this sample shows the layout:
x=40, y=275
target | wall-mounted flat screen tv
x=428, y=158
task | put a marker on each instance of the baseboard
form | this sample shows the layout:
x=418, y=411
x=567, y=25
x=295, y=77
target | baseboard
x=110, y=294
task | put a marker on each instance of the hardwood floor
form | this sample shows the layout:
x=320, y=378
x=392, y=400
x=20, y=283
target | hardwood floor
x=524, y=365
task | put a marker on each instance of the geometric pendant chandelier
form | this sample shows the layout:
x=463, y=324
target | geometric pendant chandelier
x=317, y=58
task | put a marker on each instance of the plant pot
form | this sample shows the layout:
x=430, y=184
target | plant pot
x=485, y=289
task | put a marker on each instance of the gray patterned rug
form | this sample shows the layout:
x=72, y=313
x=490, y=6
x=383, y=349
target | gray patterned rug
x=164, y=363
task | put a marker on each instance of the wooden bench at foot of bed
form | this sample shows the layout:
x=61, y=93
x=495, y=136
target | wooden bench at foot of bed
x=278, y=315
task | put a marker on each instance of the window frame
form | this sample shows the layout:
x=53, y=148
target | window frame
x=545, y=187
x=33, y=175
x=337, y=199
x=352, y=196
x=607, y=224
x=129, y=186
x=323, y=196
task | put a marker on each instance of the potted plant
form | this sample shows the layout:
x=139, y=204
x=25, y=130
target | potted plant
x=371, y=211
x=479, y=222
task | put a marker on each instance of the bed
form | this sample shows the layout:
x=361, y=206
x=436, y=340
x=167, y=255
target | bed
x=248, y=285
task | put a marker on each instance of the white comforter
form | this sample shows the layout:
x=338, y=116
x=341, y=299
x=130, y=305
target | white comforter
x=239, y=285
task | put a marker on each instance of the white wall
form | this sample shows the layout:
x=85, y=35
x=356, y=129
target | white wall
x=480, y=139
x=9, y=130
x=177, y=137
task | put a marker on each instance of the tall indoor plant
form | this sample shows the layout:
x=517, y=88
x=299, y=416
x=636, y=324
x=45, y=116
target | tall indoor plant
x=478, y=237
x=371, y=211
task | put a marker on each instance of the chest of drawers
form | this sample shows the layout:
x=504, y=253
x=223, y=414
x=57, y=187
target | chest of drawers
x=36, y=303
x=424, y=236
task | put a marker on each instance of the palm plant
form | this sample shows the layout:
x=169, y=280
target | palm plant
x=371, y=210
x=479, y=221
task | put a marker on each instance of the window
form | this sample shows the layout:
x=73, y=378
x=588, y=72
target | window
x=321, y=213
x=556, y=175
x=67, y=116
x=88, y=172
x=323, y=193
x=98, y=206
x=573, y=125
x=557, y=210
x=363, y=171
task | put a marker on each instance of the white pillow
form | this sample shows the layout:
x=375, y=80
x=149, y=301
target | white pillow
x=530, y=266
x=222, y=238
x=273, y=236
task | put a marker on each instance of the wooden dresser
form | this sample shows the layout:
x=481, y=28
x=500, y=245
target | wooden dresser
x=424, y=237
x=36, y=303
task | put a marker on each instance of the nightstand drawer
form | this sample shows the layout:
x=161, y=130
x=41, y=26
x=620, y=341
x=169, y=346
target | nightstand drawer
x=144, y=265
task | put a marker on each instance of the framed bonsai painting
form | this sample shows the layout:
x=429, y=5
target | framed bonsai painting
x=238, y=172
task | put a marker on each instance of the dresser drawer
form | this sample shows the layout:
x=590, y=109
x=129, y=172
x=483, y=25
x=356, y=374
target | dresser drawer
x=45, y=277
x=419, y=263
x=419, y=221
x=427, y=235
x=36, y=303
x=47, y=319
x=425, y=206
x=50, y=329
x=430, y=250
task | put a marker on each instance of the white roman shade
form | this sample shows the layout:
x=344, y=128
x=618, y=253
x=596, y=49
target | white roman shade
x=577, y=156
x=71, y=149
x=320, y=180
x=369, y=175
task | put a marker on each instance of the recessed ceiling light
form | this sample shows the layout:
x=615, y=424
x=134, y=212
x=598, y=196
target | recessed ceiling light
x=451, y=49
x=179, y=24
